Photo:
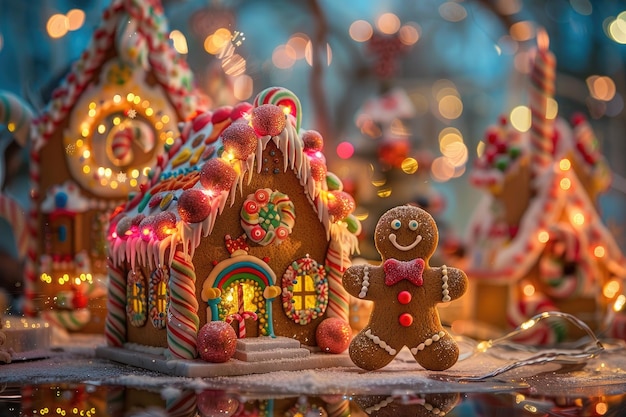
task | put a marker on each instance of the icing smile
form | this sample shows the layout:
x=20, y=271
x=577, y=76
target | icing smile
x=394, y=242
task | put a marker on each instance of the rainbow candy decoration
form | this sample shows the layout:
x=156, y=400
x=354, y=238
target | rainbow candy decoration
x=282, y=97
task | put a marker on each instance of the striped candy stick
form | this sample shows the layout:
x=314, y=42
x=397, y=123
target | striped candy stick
x=183, y=321
x=543, y=74
x=115, y=323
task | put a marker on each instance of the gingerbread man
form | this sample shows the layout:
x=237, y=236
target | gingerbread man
x=405, y=290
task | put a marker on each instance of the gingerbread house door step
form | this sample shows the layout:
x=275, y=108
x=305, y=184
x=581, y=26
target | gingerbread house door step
x=259, y=349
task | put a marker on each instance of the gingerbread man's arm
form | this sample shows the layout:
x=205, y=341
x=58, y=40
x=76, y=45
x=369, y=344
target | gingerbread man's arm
x=445, y=283
x=356, y=281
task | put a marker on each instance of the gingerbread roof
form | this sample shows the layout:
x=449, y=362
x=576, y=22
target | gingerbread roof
x=559, y=193
x=205, y=168
x=138, y=30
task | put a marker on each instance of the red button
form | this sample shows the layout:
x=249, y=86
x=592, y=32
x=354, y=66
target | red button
x=405, y=319
x=404, y=297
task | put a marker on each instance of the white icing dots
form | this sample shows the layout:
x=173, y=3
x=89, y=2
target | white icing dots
x=366, y=282
x=384, y=403
x=445, y=294
x=380, y=342
x=433, y=339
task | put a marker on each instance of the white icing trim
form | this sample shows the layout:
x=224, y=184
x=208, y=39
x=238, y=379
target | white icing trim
x=378, y=341
x=366, y=282
x=445, y=294
x=433, y=339
x=384, y=403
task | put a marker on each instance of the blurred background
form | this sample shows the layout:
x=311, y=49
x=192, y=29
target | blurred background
x=401, y=91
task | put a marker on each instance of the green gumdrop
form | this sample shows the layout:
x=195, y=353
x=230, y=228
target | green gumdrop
x=502, y=163
x=514, y=152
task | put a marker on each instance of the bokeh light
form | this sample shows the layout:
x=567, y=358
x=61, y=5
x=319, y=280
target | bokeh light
x=520, y=118
x=243, y=87
x=57, y=26
x=410, y=33
x=450, y=107
x=616, y=29
x=283, y=57
x=179, y=41
x=298, y=42
x=75, y=19
x=217, y=41
x=452, y=11
x=388, y=23
x=345, y=150
x=601, y=87
x=361, y=31
x=409, y=165
x=522, y=31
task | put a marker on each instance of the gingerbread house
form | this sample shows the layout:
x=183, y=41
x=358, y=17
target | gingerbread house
x=537, y=241
x=242, y=223
x=93, y=144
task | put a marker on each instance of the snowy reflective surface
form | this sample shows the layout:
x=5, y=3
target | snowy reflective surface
x=92, y=400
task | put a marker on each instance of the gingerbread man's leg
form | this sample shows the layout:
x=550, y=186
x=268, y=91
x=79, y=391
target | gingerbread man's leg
x=437, y=353
x=369, y=352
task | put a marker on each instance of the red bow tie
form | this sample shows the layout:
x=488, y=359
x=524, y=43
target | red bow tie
x=396, y=271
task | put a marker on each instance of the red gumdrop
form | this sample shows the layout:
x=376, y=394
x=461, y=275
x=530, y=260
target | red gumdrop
x=318, y=169
x=163, y=224
x=268, y=119
x=239, y=140
x=340, y=204
x=216, y=175
x=240, y=110
x=201, y=121
x=333, y=335
x=312, y=140
x=194, y=205
x=221, y=114
x=217, y=342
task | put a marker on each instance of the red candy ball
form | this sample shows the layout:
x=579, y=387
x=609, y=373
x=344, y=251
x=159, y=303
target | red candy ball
x=217, y=403
x=268, y=119
x=313, y=140
x=340, y=204
x=217, y=342
x=405, y=319
x=217, y=175
x=240, y=140
x=194, y=205
x=333, y=335
x=318, y=169
x=163, y=224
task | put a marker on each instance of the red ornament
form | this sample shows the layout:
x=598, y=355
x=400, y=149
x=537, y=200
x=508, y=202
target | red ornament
x=217, y=175
x=217, y=342
x=217, y=403
x=240, y=140
x=333, y=335
x=194, y=205
x=318, y=169
x=268, y=119
x=340, y=205
x=313, y=140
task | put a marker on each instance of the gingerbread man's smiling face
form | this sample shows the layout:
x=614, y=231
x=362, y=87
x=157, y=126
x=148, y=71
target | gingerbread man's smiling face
x=405, y=233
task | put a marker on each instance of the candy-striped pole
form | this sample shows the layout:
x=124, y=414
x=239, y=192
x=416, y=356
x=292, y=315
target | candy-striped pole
x=543, y=74
x=182, y=315
x=115, y=324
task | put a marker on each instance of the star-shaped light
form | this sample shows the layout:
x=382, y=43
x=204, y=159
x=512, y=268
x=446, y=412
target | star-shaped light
x=121, y=177
x=132, y=113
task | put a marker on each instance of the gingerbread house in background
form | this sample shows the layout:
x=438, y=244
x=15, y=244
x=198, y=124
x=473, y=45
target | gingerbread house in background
x=241, y=223
x=92, y=146
x=537, y=241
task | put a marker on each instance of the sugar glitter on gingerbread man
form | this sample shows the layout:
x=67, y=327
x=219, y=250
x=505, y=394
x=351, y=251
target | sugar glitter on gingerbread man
x=405, y=290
